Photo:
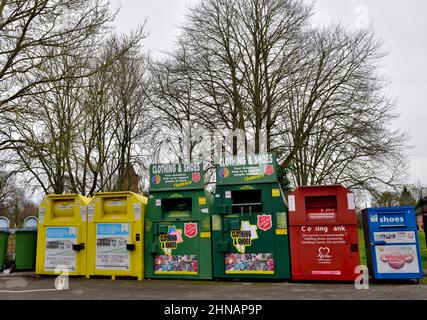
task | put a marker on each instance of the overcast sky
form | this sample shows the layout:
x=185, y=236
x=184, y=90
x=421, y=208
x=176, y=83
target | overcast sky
x=401, y=23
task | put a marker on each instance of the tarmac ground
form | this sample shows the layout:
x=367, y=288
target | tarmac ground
x=23, y=286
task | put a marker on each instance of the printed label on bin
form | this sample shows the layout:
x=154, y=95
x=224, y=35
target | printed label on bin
x=137, y=211
x=111, y=252
x=291, y=203
x=83, y=211
x=59, y=248
x=322, y=214
x=275, y=192
x=397, y=259
x=350, y=201
x=249, y=263
x=395, y=237
x=158, y=202
x=42, y=212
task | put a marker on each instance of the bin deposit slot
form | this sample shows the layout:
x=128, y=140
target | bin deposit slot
x=63, y=208
x=246, y=201
x=177, y=207
x=116, y=206
x=321, y=208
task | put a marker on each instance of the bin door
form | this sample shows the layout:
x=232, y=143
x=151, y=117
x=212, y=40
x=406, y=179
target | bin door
x=249, y=231
x=177, y=248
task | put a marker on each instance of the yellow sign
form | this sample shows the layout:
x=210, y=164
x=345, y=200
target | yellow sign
x=202, y=201
x=281, y=232
x=205, y=234
x=275, y=192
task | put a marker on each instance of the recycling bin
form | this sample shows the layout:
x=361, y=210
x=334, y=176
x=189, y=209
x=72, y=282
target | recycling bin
x=323, y=233
x=115, y=240
x=178, y=223
x=4, y=239
x=249, y=222
x=26, y=245
x=391, y=242
x=61, y=235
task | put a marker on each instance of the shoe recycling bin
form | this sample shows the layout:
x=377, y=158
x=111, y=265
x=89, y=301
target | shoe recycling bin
x=4, y=239
x=115, y=239
x=391, y=242
x=61, y=235
x=249, y=222
x=26, y=245
x=323, y=233
x=178, y=223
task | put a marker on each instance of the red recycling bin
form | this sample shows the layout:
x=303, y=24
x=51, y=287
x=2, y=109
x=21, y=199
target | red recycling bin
x=323, y=233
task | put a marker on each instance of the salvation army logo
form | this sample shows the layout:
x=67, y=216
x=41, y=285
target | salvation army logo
x=224, y=172
x=156, y=179
x=264, y=222
x=196, y=176
x=268, y=169
x=190, y=229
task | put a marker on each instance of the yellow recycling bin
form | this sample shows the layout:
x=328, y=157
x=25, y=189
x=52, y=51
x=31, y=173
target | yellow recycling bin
x=61, y=235
x=115, y=235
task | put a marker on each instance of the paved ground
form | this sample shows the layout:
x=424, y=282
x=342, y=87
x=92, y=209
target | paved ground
x=30, y=287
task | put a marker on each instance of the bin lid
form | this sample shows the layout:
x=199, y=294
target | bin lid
x=31, y=222
x=4, y=223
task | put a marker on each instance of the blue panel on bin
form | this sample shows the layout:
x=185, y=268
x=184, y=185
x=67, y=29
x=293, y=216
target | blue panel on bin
x=391, y=239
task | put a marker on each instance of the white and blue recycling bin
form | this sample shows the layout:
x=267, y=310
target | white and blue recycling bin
x=391, y=241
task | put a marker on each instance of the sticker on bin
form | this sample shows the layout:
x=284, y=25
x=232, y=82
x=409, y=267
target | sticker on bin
x=137, y=211
x=176, y=264
x=59, y=248
x=83, y=211
x=326, y=272
x=249, y=263
x=111, y=251
x=291, y=203
x=395, y=237
x=42, y=212
x=350, y=201
x=158, y=202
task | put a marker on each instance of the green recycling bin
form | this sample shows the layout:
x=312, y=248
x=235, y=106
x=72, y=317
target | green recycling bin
x=4, y=239
x=178, y=223
x=249, y=220
x=26, y=245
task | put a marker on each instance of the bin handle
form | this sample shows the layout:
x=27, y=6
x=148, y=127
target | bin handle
x=78, y=247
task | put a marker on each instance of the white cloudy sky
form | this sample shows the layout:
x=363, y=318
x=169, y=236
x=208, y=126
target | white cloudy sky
x=401, y=23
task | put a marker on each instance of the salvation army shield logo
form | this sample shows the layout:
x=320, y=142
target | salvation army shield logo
x=269, y=169
x=190, y=229
x=196, y=176
x=264, y=222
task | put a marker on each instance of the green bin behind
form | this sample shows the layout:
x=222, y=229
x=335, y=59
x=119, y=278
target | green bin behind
x=4, y=238
x=25, y=251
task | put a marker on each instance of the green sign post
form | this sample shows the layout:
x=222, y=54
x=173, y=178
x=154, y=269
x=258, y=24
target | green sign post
x=176, y=176
x=256, y=168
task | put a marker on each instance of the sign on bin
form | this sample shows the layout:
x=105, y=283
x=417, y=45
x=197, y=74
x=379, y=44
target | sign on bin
x=59, y=248
x=111, y=240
